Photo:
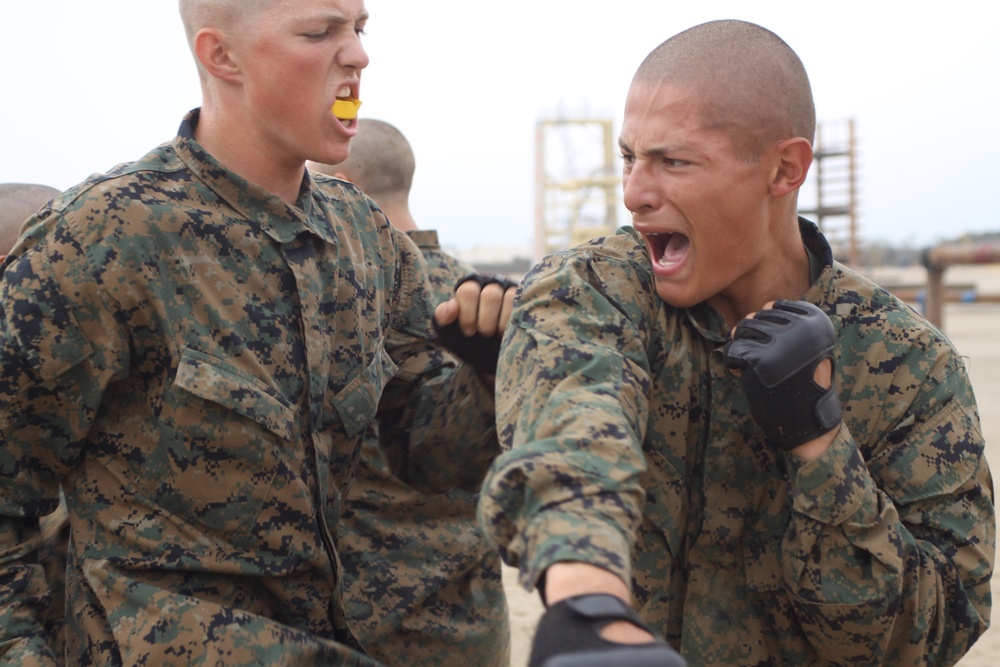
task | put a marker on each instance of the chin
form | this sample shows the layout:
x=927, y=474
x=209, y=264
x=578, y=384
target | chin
x=672, y=296
x=333, y=155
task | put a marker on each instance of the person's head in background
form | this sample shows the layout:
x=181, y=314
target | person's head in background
x=18, y=202
x=381, y=163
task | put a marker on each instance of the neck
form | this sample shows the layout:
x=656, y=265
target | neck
x=783, y=275
x=242, y=154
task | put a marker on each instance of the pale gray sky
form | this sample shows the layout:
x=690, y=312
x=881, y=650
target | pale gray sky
x=86, y=85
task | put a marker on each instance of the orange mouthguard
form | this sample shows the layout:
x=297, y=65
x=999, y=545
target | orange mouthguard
x=346, y=108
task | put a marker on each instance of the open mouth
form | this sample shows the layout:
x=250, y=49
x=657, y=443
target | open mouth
x=345, y=107
x=668, y=249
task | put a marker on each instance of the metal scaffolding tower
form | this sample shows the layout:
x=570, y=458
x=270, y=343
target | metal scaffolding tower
x=577, y=182
x=834, y=175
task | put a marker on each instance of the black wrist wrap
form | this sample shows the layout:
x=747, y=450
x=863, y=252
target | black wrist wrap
x=476, y=350
x=568, y=635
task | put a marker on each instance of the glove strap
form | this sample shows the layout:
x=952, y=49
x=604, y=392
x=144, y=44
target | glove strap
x=569, y=635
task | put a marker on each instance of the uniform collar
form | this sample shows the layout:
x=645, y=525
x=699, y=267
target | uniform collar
x=426, y=239
x=820, y=263
x=275, y=217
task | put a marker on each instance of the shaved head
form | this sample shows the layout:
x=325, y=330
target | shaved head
x=381, y=162
x=225, y=15
x=753, y=85
x=18, y=202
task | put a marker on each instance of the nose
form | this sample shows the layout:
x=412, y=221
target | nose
x=354, y=56
x=638, y=187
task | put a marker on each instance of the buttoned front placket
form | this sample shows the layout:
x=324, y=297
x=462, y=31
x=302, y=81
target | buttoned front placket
x=301, y=255
x=309, y=248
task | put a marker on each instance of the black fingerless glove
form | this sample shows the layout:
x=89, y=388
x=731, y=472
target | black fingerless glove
x=777, y=351
x=477, y=350
x=568, y=635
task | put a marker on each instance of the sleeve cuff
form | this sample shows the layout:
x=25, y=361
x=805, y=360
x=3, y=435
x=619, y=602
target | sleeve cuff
x=834, y=487
x=567, y=537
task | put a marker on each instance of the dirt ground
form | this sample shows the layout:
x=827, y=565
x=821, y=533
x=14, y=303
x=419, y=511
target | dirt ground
x=975, y=330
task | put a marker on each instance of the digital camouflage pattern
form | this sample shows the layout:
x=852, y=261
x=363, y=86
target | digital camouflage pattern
x=195, y=362
x=631, y=447
x=52, y=555
x=422, y=586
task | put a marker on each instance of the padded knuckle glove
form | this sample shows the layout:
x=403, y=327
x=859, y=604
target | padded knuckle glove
x=777, y=352
x=568, y=635
x=477, y=350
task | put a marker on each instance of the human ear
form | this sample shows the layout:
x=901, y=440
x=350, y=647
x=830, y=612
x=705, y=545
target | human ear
x=212, y=49
x=794, y=159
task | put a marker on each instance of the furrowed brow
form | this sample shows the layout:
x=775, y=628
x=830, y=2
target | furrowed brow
x=340, y=19
x=656, y=152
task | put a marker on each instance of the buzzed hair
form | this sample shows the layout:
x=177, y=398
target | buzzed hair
x=755, y=86
x=18, y=202
x=223, y=14
x=381, y=161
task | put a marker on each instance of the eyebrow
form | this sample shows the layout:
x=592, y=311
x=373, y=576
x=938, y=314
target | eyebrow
x=340, y=19
x=659, y=151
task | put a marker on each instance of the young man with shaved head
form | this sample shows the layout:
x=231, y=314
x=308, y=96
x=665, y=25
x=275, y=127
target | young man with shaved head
x=440, y=600
x=192, y=346
x=711, y=422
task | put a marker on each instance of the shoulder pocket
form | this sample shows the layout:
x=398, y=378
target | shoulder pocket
x=44, y=326
x=944, y=459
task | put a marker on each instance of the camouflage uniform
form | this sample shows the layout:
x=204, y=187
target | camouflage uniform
x=635, y=440
x=52, y=555
x=195, y=362
x=422, y=586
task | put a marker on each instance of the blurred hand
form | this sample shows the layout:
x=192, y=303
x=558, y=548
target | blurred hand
x=481, y=305
x=471, y=324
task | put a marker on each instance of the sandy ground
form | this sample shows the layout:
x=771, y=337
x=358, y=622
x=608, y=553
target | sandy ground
x=973, y=327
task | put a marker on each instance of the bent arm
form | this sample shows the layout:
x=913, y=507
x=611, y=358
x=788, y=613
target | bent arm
x=436, y=418
x=889, y=559
x=52, y=375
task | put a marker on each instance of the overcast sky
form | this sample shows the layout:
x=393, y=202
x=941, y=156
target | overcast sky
x=86, y=85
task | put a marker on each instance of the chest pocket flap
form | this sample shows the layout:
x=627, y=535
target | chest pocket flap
x=357, y=403
x=212, y=380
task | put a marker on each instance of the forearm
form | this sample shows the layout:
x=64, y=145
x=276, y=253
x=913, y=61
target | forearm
x=439, y=432
x=569, y=487
x=568, y=578
x=540, y=512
